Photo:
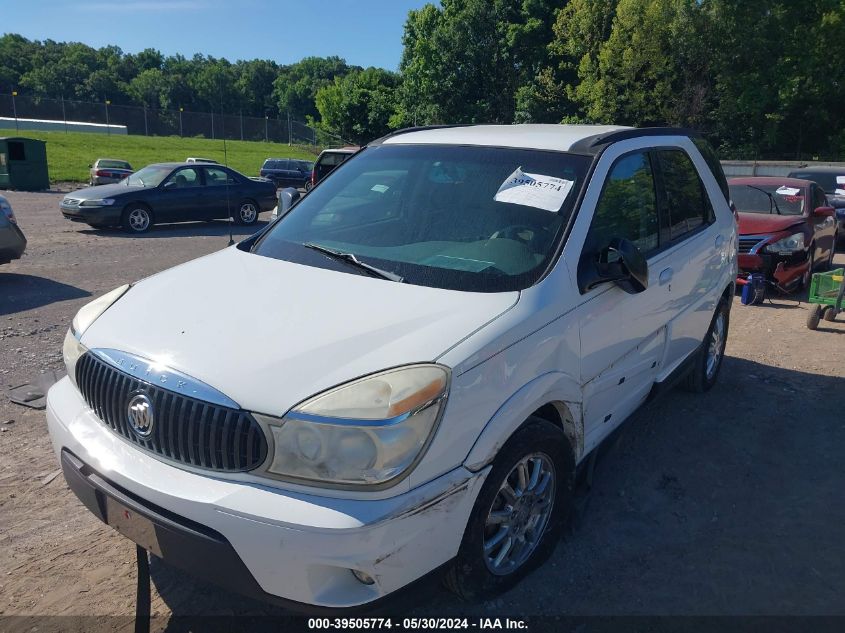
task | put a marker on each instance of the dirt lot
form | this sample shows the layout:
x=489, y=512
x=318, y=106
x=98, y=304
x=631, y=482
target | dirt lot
x=729, y=503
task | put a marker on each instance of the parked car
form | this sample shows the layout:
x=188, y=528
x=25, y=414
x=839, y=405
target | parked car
x=192, y=159
x=105, y=171
x=832, y=181
x=12, y=240
x=288, y=172
x=464, y=314
x=171, y=192
x=786, y=229
x=328, y=160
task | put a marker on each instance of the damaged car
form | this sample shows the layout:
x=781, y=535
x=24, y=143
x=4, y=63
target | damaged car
x=787, y=230
x=466, y=313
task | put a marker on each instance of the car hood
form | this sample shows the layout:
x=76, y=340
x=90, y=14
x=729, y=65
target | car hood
x=104, y=191
x=757, y=223
x=270, y=333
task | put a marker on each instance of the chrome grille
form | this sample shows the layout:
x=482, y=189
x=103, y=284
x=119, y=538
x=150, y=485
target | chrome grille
x=71, y=202
x=186, y=430
x=747, y=244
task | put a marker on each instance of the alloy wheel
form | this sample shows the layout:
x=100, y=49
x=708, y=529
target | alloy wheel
x=139, y=219
x=716, y=345
x=248, y=213
x=519, y=514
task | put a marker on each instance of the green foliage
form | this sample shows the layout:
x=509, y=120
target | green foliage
x=68, y=155
x=358, y=106
x=295, y=88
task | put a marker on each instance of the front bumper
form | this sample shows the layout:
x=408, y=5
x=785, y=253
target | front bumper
x=96, y=216
x=784, y=270
x=295, y=546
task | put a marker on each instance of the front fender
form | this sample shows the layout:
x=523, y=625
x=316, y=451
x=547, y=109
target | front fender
x=556, y=388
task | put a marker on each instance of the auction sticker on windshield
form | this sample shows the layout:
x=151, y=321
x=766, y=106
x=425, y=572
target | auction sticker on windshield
x=534, y=190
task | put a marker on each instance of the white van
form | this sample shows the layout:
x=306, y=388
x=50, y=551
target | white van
x=462, y=315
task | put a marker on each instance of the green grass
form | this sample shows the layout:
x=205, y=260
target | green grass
x=69, y=154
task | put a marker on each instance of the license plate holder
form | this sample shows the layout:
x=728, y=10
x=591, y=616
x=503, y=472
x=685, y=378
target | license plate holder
x=134, y=526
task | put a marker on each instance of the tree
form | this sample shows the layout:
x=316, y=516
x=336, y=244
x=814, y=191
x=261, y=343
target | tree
x=358, y=106
x=295, y=89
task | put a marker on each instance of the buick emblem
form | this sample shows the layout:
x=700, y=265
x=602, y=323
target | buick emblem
x=141, y=415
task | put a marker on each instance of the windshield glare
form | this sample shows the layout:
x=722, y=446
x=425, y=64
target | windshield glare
x=828, y=181
x=150, y=176
x=768, y=199
x=428, y=214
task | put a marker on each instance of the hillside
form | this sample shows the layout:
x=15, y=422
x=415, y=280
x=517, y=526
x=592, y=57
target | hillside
x=69, y=154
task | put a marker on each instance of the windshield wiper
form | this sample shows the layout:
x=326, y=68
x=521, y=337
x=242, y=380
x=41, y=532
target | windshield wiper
x=772, y=201
x=351, y=259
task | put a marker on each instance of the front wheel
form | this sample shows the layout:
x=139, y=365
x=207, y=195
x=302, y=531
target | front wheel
x=247, y=213
x=137, y=219
x=308, y=185
x=703, y=375
x=519, y=514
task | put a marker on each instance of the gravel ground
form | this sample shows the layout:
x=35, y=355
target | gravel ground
x=730, y=503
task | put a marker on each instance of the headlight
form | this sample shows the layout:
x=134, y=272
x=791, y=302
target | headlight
x=101, y=202
x=72, y=348
x=364, y=433
x=787, y=245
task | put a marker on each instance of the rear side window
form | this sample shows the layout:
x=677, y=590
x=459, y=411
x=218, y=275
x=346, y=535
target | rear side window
x=332, y=159
x=712, y=160
x=627, y=207
x=819, y=199
x=686, y=204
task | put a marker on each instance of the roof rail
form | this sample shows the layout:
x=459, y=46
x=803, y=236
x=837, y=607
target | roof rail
x=417, y=128
x=593, y=143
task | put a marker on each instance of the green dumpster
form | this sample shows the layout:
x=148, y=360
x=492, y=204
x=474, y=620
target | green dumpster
x=23, y=164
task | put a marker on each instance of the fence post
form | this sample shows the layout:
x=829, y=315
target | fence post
x=266, y=135
x=108, y=126
x=146, y=130
x=15, y=109
x=212, y=124
x=290, y=139
x=180, y=121
x=241, y=114
x=64, y=116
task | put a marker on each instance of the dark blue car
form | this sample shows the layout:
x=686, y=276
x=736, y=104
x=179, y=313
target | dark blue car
x=171, y=192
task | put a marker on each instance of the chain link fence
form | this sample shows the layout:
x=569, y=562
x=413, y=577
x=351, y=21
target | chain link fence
x=157, y=122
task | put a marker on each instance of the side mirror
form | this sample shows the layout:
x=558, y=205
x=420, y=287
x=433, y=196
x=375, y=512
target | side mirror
x=621, y=262
x=824, y=212
x=169, y=185
x=287, y=198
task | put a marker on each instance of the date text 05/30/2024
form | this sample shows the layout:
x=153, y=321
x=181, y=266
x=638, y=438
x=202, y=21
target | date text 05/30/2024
x=415, y=624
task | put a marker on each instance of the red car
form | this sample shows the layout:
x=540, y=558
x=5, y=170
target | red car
x=787, y=229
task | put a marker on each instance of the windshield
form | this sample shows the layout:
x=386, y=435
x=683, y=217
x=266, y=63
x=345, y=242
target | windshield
x=150, y=176
x=831, y=183
x=768, y=199
x=479, y=219
x=113, y=164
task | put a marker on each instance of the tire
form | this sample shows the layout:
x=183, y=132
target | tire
x=709, y=359
x=808, y=276
x=247, y=213
x=308, y=186
x=814, y=316
x=536, y=443
x=828, y=314
x=137, y=219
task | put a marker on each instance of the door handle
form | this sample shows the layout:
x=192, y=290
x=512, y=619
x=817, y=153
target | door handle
x=719, y=241
x=665, y=276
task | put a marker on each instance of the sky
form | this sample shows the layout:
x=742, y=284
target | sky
x=364, y=32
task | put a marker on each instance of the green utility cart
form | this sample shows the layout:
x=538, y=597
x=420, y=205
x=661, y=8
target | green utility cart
x=826, y=295
x=23, y=164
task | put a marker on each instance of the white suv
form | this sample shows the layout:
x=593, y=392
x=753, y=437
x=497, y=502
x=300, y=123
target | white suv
x=463, y=314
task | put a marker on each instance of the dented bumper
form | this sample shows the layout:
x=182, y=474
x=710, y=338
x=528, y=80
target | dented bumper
x=297, y=546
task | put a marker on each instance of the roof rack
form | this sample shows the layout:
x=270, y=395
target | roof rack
x=418, y=128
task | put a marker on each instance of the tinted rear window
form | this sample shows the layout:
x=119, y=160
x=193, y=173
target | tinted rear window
x=825, y=180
